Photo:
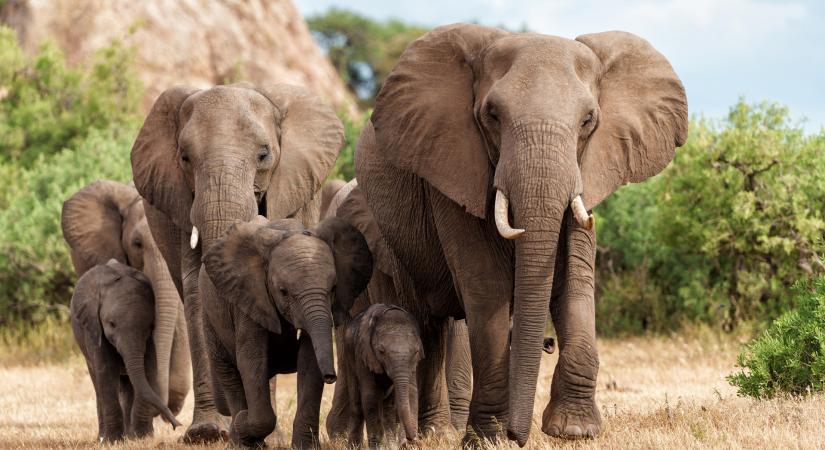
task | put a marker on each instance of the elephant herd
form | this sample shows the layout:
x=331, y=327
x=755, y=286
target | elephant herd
x=227, y=262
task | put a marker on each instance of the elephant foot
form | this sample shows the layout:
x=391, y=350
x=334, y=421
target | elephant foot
x=480, y=435
x=210, y=429
x=570, y=420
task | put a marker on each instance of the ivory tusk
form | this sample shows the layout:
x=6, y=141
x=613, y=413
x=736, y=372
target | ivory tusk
x=502, y=218
x=193, y=240
x=298, y=338
x=584, y=219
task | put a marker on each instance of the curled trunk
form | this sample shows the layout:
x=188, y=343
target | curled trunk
x=137, y=375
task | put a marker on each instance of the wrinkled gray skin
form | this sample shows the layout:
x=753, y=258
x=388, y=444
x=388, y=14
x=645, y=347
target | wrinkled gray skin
x=275, y=278
x=106, y=220
x=211, y=158
x=112, y=314
x=472, y=114
x=389, y=283
x=384, y=348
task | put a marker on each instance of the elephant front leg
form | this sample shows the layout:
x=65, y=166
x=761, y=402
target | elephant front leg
x=305, y=427
x=106, y=381
x=207, y=424
x=251, y=426
x=459, y=373
x=572, y=411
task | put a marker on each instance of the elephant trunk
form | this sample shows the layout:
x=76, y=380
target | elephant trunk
x=136, y=369
x=317, y=321
x=167, y=306
x=401, y=385
x=224, y=195
x=543, y=178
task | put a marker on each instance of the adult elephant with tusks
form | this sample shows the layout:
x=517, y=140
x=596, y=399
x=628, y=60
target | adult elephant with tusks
x=483, y=156
x=206, y=159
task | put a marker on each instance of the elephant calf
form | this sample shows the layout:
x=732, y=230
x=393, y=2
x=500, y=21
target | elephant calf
x=278, y=284
x=112, y=313
x=385, y=345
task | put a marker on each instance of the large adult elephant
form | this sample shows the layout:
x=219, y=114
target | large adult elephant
x=206, y=159
x=484, y=153
x=105, y=220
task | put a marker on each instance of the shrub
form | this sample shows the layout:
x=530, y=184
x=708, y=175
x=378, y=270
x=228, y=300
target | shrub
x=789, y=357
x=344, y=168
x=36, y=274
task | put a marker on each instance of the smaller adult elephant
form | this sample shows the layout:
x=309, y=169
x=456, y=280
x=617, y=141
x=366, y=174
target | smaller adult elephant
x=105, y=220
x=112, y=318
x=279, y=279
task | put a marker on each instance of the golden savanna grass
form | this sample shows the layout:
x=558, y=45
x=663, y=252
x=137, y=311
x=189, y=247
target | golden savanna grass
x=662, y=392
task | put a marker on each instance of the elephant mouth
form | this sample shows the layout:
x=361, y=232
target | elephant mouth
x=260, y=200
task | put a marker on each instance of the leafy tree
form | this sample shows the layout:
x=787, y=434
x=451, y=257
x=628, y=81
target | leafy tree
x=362, y=50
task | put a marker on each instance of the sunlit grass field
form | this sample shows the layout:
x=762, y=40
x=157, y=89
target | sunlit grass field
x=654, y=392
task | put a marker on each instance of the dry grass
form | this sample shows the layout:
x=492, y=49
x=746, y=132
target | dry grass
x=653, y=393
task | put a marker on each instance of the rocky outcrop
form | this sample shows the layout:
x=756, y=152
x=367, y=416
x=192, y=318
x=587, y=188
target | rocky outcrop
x=194, y=42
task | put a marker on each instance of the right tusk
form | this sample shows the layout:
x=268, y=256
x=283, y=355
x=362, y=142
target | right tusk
x=584, y=219
x=502, y=218
x=193, y=240
x=298, y=335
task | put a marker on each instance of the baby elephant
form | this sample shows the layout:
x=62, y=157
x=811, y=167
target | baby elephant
x=386, y=347
x=112, y=313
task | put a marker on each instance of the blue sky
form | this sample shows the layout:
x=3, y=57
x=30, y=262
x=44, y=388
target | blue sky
x=721, y=49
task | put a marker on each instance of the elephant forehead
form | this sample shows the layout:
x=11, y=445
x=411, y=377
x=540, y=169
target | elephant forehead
x=541, y=54
x=223, y=109
x=302, y=252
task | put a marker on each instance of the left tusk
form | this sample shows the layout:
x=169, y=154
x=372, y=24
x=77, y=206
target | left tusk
x=193, y=240
x=298, y=338
x=585, y=220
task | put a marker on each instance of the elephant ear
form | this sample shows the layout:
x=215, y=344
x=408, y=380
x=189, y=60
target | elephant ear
x=353, y=208
x=644, y=115
x=353, y=262
x=310, y=138
x=423, y=116
x=85, y=303
x=92, y=222
x=360, y=333
x=237, y=265
x=155, y=168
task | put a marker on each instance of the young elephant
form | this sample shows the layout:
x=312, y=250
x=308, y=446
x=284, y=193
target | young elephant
x=279, y=279
x=112, y=313
x=386, y=345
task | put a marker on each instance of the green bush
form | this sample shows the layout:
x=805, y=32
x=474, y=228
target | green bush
x=61, y=127
x=36, y=273
x=46, y=106
x=789, y=357
x=721, y=235
x=344, y=168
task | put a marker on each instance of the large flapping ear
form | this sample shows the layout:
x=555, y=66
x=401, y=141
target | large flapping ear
x=92, y=222
x=85, y=304
x=353, y=262
x=237, y=265
x=423, y=116
x=310, y=138
x=643, y=119
x=155, y=167
x=353, y=208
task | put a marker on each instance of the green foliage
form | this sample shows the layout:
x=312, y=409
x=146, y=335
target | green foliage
x=46, y=106
x=36, y=274
x=721, y=235
x=61, y=127
x=363, y=51
x=344, y=168
x=789, y=357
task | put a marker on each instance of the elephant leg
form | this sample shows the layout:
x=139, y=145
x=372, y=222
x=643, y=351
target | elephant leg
x=338, y=418
x=355, y=423
x=486, y=292
x=252, y=425
x=572, y=410
x=371, y=397
x=305, y=429
x=433, y=404
x=127, y=397
x=225, y=375
x=107, y=385
x=459, y=373
x=207, y=424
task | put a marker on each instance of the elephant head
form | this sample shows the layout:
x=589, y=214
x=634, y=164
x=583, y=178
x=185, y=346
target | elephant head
x=105, y=220
x=280, y=269
x=114, y=303
x=386, y=340
x=548, y=124
x=210, y=158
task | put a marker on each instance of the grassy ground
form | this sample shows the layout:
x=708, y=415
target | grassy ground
x=653, y=393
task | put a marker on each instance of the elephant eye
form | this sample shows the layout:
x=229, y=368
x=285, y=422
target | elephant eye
x=137, y=243
x=184, y=157
x=588, y=119
x=492, y=112
x=284, y=292
x=263, y=152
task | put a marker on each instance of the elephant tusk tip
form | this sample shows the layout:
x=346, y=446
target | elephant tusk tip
x=298, y=335
x=193, y=240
